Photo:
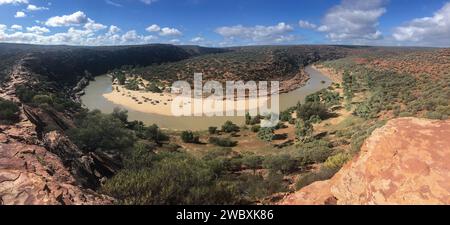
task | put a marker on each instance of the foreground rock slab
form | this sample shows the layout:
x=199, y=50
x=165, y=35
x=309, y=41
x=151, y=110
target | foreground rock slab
x=405, y=162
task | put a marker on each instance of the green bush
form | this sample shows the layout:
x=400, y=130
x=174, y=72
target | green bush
x=266, y=133
x=174, y=180
x=311, y=177
x=280, y=163
x=230, y=127
x=212, y=130
x=189, y=137
x=222, y=142
x=9, y=112
x=255, y=128
x=314, y=152
x=97, y=131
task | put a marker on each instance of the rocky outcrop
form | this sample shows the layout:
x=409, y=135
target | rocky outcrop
x=40, y=167
x=405, y=162
x=89, y=169
x=31, y=175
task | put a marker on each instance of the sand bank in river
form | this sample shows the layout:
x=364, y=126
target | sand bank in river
x=161, y=103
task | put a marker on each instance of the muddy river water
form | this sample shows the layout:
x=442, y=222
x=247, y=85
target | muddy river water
x=93, y=99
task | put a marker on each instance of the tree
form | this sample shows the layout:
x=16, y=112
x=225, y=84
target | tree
x=303, y=130
x=120, y=114
x=97, y=131
x=9, y=112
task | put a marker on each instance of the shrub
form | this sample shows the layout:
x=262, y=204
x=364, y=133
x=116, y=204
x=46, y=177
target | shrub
x=230, y=127
x=253, y=162
x=212, y=130
x=255, y=128
x=42, y=99
x=266, y=133
x=309, y=109
x=154, y=88
x=97, y=131
x=280, y=163
x=9, y=112
x=314, y=152
x=222, y=142
x=336, y=161
x=173, y=180
x=189, y=137
x=303, y=130
x=309, y=178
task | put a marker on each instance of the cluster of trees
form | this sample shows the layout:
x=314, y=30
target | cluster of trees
x=40, y=98
x=9, y=112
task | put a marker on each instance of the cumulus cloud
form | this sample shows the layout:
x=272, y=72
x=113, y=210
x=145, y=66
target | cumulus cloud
x=166, y=31
x=14, y=2
x=37, y=30
x=306, y=24
x=75, y=19
x=153, y=28
x=113, y=29
x=434, y=30
x=16, y=27
x=197, y=39
x=353, y=20
x=35, y=8
x=93, y=26
x=20, y=14
x=258, y=33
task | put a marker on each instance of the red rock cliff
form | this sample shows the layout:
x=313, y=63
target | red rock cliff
x=405, y=162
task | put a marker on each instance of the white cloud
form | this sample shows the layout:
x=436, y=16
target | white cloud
x=354, y=20
x=148, y=2
x=20, y=14
x=113, y=3
x=167, y=31
x=153, y=28
x=433, y=30
x=197, y=39
x=35, y=8
x=113, y=29
x=74, y=19
x=3, y=27
x=16, y=27
x=306, y=24
x=256, y=33
x=93, y=26
x=15, y=2
x=37, y=30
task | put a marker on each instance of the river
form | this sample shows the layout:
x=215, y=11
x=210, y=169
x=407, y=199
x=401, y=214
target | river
x=93, y=99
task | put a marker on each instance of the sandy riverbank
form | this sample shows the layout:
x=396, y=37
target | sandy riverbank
x=335, y=77
x=161, y=103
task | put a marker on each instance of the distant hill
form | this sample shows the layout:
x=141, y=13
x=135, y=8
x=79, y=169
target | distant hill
x=67, y=64
x=246, y=63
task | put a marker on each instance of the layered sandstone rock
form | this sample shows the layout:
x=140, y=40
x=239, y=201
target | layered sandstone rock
x=405, y=162
x=31, y=175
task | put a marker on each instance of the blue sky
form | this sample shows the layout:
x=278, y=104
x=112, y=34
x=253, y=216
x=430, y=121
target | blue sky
x=227, y=22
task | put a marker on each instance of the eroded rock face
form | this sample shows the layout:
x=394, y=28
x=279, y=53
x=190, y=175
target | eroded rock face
x=405, y=162
x=31, y=175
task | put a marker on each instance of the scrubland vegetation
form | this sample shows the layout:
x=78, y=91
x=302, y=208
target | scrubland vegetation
x=242, y=163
